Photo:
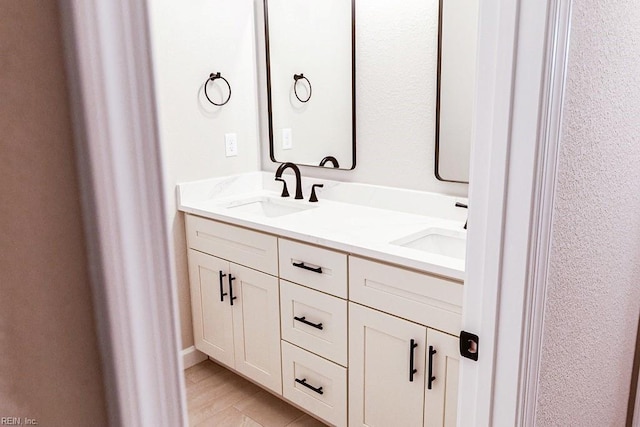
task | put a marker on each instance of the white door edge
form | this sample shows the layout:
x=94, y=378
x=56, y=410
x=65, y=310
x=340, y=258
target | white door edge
x=111, y=91
x=522, y=63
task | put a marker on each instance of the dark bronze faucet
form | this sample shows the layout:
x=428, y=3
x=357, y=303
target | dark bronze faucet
x=296, y=170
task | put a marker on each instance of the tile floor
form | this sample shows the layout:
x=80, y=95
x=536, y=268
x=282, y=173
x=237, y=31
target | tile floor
x=218, y=397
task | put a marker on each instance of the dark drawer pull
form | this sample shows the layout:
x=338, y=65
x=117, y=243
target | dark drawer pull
x=431, y=378
x=222, y=292
x=231, y=297
x=412, y=370
x=306, y=322
x=304, y=383
x=306, y=267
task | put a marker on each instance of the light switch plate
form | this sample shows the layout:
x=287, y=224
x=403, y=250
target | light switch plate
x=231, y=144
x=287, y=139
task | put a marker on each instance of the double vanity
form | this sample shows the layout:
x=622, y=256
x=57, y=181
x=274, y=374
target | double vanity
x=348, y=307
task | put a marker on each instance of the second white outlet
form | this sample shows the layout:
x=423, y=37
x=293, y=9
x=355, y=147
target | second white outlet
x=231, y=144
x=287, y=139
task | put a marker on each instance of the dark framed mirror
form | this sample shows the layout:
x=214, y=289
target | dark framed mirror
x=457, y=39
x=310, y=63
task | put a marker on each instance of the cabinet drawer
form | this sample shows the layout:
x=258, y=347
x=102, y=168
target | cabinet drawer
x=317, y=268
x=245, y=247
x=422, y=298
x=326, y=331
x=329, y=399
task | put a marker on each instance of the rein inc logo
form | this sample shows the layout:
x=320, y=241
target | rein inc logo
x=18, y=421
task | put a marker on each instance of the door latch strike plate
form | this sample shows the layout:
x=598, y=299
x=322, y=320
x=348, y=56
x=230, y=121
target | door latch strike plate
x=469, y=345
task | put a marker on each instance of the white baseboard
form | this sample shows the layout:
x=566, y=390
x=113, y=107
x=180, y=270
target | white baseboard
x=191, y=357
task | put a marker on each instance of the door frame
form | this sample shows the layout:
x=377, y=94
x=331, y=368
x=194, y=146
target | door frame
x=522, y=57
x=110, y=79
x=522, y=61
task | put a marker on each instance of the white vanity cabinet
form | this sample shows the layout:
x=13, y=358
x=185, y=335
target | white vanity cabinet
x=236, y=310
x=354, y=341
x=400, y=373
x=314, y=329
x=403, y=367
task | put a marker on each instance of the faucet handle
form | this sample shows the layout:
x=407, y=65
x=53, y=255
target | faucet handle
x=285, y=192
x=313, y=197
x=462, y=205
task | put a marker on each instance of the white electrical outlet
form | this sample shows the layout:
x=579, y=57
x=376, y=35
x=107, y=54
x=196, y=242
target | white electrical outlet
x=287, y=139
x=231, y=144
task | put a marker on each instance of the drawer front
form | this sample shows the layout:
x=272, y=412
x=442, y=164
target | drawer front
x=422, y=298
x=317, y=268
x=314, y=321
x=325, y=392
x=245, y=247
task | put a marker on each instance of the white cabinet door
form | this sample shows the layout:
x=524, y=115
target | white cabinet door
x=212, y=319
x=256, y=324
x=244, y=332
x=441, y=401
x=381, y=393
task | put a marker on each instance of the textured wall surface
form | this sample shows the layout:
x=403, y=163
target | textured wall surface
x=594, y=282
x=396, y=58
x=50, y=366
x=189, y=41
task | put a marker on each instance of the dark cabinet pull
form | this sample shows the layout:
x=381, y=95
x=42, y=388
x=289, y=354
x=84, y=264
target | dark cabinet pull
x=222, y=292
x=231, y=297
x=412, y=370
x=431, y=379
x=306, y=267
x=304, y=383
x=306, y=322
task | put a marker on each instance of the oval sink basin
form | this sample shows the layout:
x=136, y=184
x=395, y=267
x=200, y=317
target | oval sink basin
x=450, y=243
x=269, y=207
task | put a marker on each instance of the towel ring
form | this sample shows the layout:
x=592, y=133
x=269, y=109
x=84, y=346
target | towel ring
x=297, y=77
x=212, y=77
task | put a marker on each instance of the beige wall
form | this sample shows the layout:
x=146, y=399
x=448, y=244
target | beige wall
x=594, y=284
x=49, y=361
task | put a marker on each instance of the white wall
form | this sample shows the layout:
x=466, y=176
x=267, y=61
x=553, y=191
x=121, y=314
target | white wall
x=594, y=282
x=396, y=58
x=190, y=40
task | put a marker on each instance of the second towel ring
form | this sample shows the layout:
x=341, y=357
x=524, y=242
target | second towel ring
x=212, y=77
x=297, y=77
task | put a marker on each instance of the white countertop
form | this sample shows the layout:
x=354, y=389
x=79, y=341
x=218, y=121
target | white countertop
x=356, y=218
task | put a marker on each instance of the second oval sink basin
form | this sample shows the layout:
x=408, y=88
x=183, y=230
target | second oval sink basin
x=445, y=242
x=269, y=207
